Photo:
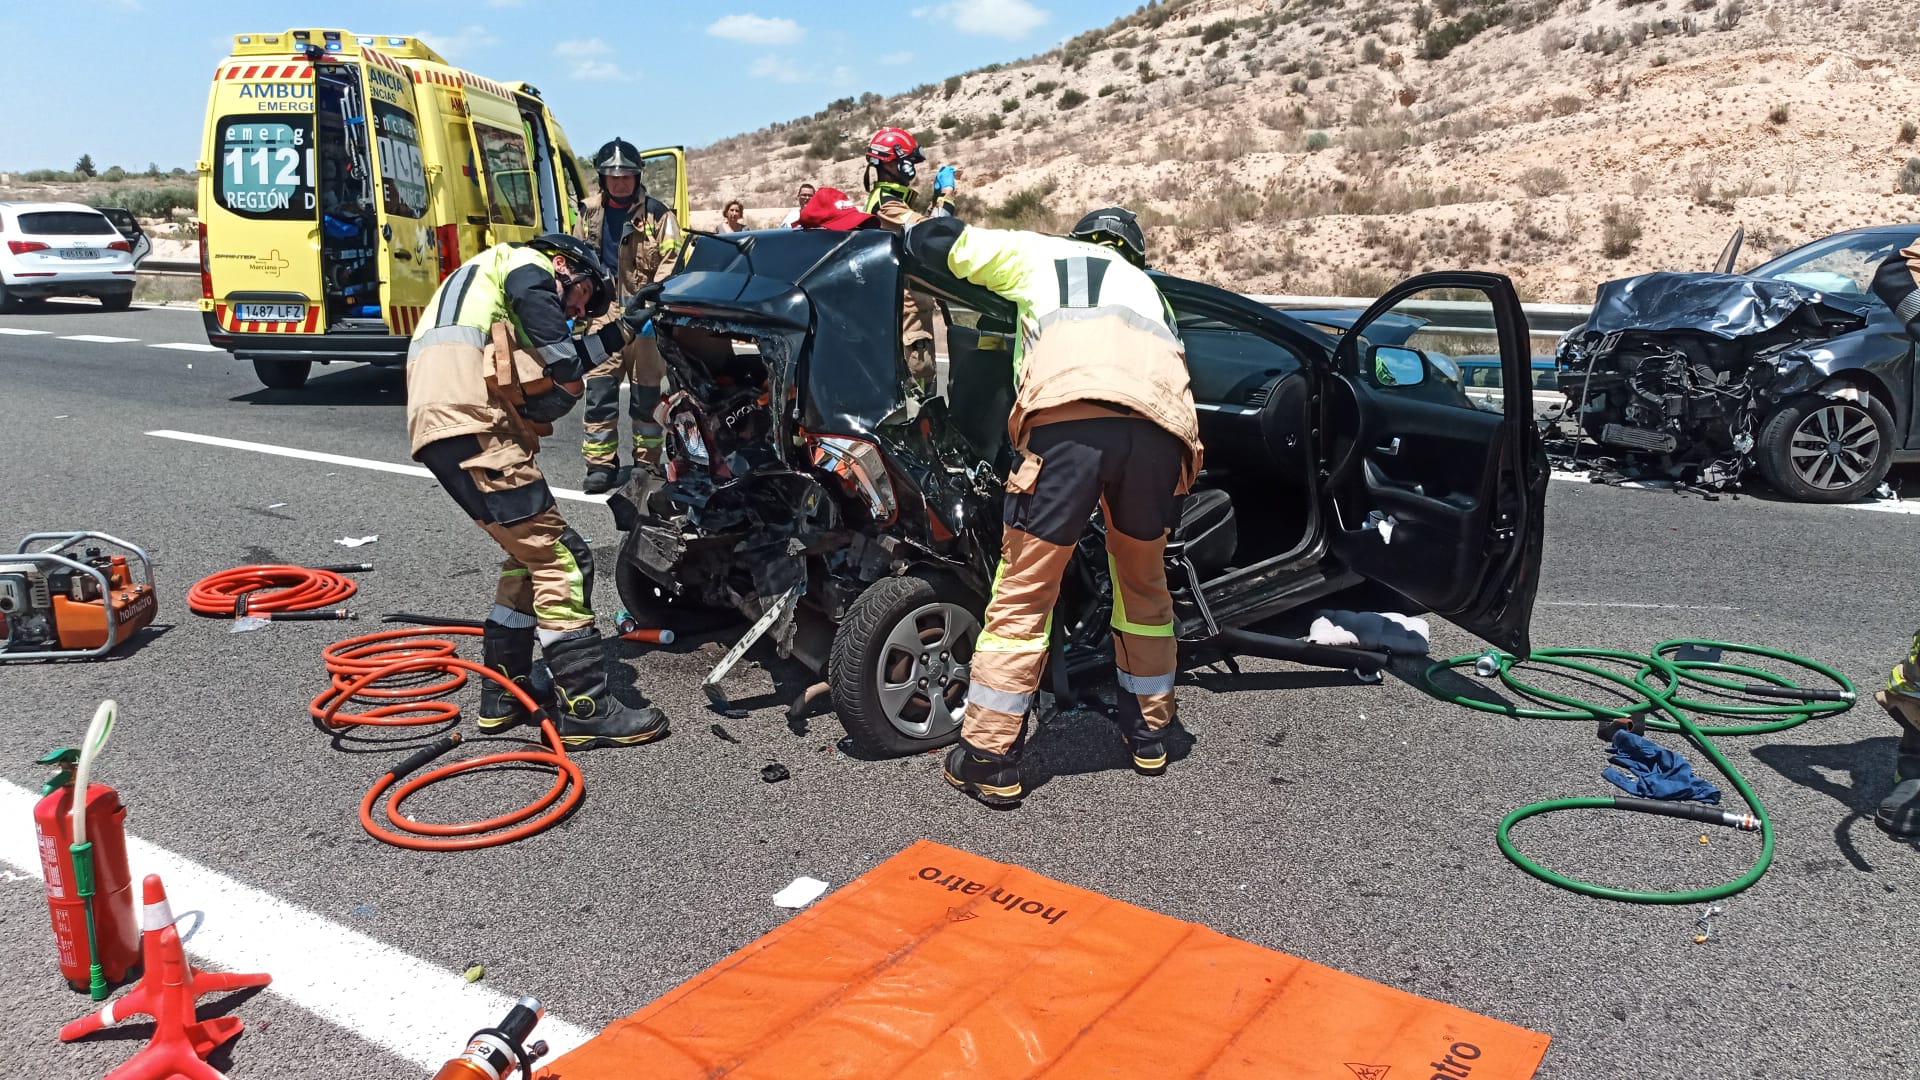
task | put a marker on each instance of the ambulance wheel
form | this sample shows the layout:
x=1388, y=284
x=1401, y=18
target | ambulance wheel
x=117, y=301
x=282, y=374
x=899, y=663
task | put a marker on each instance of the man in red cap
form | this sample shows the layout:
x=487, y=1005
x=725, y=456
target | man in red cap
x=831, y=208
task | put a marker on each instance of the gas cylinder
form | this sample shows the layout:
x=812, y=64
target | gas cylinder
x=115, y=925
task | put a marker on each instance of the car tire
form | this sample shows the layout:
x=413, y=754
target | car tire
x=123, y=301
x=8, y=301
x=652, y=607
x=282, y=374
x=898, y=634
x=1815, y=449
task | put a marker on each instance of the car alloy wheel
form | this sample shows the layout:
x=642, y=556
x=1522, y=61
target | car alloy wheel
x=1834, y=446
x=921, y=678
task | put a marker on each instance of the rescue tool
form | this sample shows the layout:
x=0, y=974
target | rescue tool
x=493, y=1053
x=54, y=606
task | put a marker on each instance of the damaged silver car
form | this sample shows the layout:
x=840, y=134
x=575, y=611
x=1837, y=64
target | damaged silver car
x=1794, y=369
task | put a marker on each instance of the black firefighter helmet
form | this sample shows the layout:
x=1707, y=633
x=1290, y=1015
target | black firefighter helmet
x=1114, y=226
x=581, y=263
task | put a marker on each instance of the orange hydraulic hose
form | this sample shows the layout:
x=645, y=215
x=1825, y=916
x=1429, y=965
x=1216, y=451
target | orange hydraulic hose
x=356, y=664
x=269, y=588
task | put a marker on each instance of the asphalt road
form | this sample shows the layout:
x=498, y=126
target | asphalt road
x=1348, y=824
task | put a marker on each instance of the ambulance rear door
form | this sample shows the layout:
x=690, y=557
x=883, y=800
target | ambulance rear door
x=506, y=164
x=409, y=264
x=259, y=203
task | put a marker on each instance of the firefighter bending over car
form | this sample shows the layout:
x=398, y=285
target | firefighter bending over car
x=1897, y=283
x=637, y=236
x=474, y=419
x=892, y=154
x=1102, y=417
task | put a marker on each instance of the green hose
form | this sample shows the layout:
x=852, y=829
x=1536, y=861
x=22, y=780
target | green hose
x=1657, y=685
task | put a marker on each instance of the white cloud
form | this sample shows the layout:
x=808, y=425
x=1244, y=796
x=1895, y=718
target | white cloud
x=456, y=45
x=895, y=59
x=996, y=18
x=779, y=69
x=587, y=59
x=757, y=29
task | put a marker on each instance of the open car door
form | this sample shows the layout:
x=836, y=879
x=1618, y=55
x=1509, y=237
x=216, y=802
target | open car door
x=1435, y=489
x=664, y=173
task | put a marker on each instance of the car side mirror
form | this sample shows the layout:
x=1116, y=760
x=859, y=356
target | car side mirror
x=1395, y=365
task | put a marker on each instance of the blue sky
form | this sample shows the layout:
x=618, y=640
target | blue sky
x=126, y=80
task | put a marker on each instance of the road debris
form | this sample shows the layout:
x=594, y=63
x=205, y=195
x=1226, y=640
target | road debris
x=803, y=891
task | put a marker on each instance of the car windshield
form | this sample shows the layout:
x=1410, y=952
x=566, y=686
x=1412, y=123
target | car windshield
x=1842, y=264
x=64, y=223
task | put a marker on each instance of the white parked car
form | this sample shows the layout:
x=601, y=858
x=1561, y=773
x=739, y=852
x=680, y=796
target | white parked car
x=62, y=249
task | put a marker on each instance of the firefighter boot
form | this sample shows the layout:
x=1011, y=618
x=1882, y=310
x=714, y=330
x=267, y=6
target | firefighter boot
x=508, y=650
x=1899, y=812
x=601, y=478
x=587, y=713
x=992, y=778
x=1144, y=743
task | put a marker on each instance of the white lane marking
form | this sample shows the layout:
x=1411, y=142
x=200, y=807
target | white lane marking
x=1650, y=607
x=185, y=346
x=399, y=1002
x=341, y=459
x=18, y=332
x=1883, y=506
x=98, y=339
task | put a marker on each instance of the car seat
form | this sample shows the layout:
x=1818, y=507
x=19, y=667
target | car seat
x=1206, y=531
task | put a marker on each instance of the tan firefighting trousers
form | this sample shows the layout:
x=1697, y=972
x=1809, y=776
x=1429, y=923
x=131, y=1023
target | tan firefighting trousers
x=1130, y=468
x=640, y=364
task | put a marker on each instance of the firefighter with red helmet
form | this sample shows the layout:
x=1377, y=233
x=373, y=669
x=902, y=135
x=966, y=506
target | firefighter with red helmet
x=892, y=155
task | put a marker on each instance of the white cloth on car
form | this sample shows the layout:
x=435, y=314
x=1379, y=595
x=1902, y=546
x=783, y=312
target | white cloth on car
x=1387, y=630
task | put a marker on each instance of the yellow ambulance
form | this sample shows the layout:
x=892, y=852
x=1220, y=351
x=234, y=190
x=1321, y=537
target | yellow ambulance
x=344, y=175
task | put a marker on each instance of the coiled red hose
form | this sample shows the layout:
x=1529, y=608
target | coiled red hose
x=356, y=666
x=268, y=588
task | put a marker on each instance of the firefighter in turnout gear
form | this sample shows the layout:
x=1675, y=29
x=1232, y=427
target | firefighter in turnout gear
x=1102, y=417
x=892, y=154
x=489, y=369
x=1897, y=283
x=638, y=238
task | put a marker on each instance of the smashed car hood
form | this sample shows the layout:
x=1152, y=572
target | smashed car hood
x=1726, y=305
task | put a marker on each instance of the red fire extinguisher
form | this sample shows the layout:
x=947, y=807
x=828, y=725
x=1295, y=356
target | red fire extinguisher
x=84, y=859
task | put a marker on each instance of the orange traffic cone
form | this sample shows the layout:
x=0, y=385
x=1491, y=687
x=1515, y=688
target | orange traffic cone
x=168, y=993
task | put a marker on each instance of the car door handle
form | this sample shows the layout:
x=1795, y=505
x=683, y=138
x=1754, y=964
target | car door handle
x=404, y=255
x=1392, y=449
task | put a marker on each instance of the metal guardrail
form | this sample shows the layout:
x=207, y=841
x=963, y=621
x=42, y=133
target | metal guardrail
x=1449, y=316
x=164, y=268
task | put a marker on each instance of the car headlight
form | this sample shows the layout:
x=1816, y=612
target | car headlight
x=857, y=464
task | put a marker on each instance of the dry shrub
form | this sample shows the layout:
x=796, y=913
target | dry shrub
x=1542, y=181
x=1619, y=231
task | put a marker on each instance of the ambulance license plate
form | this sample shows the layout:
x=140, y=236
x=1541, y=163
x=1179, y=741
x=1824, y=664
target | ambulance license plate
x=270, y=312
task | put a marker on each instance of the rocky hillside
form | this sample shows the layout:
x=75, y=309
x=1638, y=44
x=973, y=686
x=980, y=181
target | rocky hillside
x=1331, y=147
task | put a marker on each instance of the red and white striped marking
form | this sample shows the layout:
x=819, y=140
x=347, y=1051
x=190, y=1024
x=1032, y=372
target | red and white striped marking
x=244, y=72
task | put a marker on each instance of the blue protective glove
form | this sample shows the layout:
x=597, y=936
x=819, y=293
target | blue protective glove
x=1647, y=769
x=944, y=179
x=646, y=328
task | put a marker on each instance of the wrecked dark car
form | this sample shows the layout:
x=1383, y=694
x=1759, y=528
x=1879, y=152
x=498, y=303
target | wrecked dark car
x=1794, y=369
x=858, y=531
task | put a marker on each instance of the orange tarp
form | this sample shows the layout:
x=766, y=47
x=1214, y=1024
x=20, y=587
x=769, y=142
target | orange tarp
x=939, y=963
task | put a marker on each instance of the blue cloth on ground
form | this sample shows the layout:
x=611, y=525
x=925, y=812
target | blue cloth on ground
x=1652, y=771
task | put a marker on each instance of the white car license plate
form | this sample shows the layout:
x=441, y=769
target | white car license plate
x=270, y=312
x=79, y=253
